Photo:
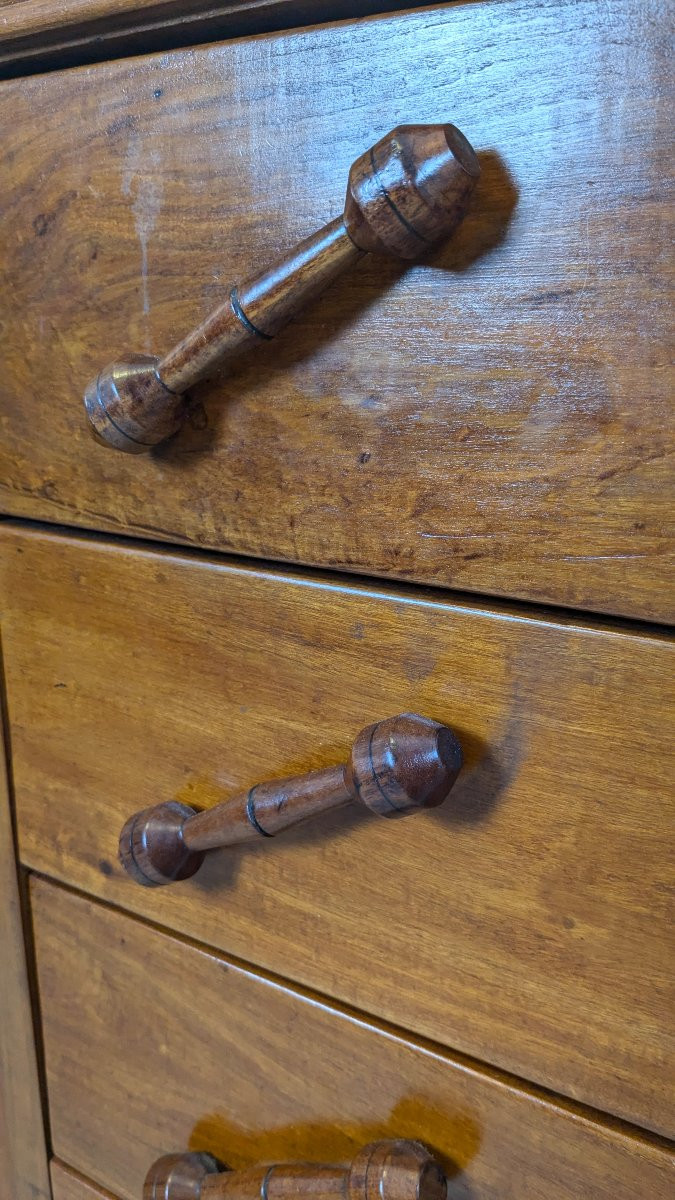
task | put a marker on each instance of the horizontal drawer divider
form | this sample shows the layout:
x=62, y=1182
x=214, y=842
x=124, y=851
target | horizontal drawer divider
x=34, y=45
x=354, y=583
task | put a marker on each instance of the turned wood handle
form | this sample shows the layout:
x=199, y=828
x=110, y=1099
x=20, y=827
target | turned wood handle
x=386, y=1170
x=396, y=766
x=403, y=195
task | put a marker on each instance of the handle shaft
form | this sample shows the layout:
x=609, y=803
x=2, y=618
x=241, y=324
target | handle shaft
x=277, y=1183
x=267, y=809
x=259, y=308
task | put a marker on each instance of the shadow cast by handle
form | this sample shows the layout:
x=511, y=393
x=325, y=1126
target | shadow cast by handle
x=454, y=1138
x=486, y=224
x=482, y=231
x=477, y=792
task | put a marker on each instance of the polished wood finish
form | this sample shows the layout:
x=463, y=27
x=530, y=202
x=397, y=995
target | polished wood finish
x=397, y=766
x=527, y=923
x=496, y=420
x=70, y=1185
x=394, y=1169
x=403, y=195
x=23, y=1158
x=184, y=1048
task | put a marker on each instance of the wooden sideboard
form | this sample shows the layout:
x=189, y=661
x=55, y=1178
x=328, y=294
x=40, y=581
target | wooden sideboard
x=444, y=489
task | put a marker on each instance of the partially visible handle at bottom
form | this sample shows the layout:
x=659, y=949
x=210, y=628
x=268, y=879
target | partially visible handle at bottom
x=387, y=1170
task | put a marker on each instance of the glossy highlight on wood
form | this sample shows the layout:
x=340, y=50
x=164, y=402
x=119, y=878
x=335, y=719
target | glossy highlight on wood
x=403, y=196
x=396, y=766
x=386, y=1170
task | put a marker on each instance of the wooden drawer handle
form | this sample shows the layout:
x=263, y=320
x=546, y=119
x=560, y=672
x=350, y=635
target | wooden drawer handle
x=405, y=194
x=396, y=766
x=387, y=1170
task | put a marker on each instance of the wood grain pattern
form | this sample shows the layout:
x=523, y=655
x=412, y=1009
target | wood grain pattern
x=218, y=1059
x=497, y=419
x=527, y=923
x=70, y=1185
x=23, y=1158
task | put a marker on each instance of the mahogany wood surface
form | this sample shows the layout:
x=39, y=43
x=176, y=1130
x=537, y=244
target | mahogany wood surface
x=70, y=1185
x=496, y=419
x=217, y=1059
x=396, y=766
x=526, y=922
x=23, y=1158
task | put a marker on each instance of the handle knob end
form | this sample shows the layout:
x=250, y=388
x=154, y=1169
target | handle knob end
x=151, y=846
x=396, y=1170
x=403, y=763
x=179, y=1176
x=130, y=409
x=410, y=190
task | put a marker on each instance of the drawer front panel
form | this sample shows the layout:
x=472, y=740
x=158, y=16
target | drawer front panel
x=525, y=922
x=496, y=419
x=68, y=1185
x=215, y=1058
